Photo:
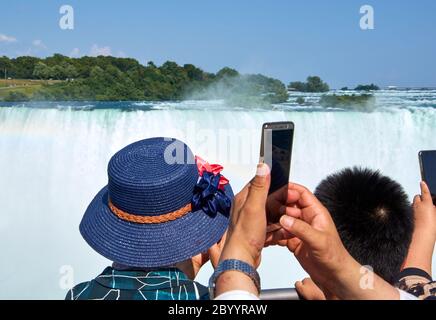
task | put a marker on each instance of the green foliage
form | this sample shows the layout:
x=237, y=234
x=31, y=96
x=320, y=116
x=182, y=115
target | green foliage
x=42, y=71
x=253, y=89
x=312, y=84
x=194, y=73
x=297, y=86
x=22, y=67
x=227, y=72
x=62, y=71
x=110, y=78
x=16, y=96
x=366, y=87
x=5, y=64
x=364, y=102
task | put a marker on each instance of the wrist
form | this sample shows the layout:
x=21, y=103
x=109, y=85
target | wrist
x=348, y=284
x=237, y=248
x=232, y=274
x=234, y=280
x=420, y=253
x=342, y=269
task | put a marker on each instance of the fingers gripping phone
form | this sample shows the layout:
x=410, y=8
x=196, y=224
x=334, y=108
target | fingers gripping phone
x=427, y=163
x=276, y=151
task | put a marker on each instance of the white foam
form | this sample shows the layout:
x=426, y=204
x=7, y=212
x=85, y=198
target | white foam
x=53, y=162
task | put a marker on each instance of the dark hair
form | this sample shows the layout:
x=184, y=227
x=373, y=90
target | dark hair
x=373, y=216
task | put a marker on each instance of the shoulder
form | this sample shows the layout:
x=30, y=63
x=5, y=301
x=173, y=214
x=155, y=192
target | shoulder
x=78, y=291
x=418, y=283
x=201, y=292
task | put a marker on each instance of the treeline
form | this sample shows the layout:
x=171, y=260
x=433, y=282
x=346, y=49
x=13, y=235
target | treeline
x=362, y=102
x=315, y=84
x=364, y=87
x=111, y=78
x=312, y=84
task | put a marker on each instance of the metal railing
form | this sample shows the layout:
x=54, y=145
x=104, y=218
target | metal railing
x=279, y=294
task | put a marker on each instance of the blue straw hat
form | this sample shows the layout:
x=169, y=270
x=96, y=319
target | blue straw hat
x=158, y=207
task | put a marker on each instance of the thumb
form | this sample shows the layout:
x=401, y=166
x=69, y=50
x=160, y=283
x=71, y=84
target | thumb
x=259, y=186
x=302, y=230
x=425, y=192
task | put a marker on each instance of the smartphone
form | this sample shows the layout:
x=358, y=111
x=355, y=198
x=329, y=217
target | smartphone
x=427, y=163
x=276, y=151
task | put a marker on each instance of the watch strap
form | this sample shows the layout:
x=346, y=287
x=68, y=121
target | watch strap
x=233, y=265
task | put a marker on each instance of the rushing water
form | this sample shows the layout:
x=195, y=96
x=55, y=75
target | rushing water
x=53, y=159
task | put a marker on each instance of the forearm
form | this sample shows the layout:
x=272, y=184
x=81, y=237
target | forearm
x=420, y=252
x=234, y=280
x=352, y=282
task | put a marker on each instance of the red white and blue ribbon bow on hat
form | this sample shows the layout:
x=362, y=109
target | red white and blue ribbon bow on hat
x=209, y=191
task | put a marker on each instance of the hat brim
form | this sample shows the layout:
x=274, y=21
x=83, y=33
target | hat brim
x=150, y=245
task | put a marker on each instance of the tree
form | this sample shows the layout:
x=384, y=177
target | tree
x=227, y=72
x=42, y=71
x=57, y=59
x=111, y=78
x=5, y=66
x=194, y=73
x=176, y=76
x=59, y=72
x=96, y=72
x=312, y=84
x=366, y=87
x=315, y=84
x=22, y=67
x=151, y=64
x=70, y=71
x=298, y=86
x=125, y=64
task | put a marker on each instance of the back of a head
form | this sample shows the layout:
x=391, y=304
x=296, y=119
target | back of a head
x=373, y=216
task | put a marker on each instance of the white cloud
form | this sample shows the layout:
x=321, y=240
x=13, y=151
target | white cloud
x=121, y=54
x=39, y=44
x=75, y=52
x=100, y=51
x=5, y=38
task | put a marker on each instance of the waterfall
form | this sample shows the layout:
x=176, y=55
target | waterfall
x=54, y=160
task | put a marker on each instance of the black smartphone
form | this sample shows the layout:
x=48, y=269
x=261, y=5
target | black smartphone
x=276, y=151
x=427, y=163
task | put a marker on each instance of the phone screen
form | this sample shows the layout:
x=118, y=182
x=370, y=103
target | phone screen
x=277, y=151
x=428, y=170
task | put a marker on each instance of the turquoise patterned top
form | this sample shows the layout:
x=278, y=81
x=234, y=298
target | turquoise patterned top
x=160, y=284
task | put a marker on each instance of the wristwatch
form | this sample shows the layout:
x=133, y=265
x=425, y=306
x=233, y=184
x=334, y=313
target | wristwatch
x=233, y=265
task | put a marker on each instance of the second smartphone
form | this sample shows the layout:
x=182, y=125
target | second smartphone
x=427, y=163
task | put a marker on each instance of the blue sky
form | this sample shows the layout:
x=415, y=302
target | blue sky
x=285, y=39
